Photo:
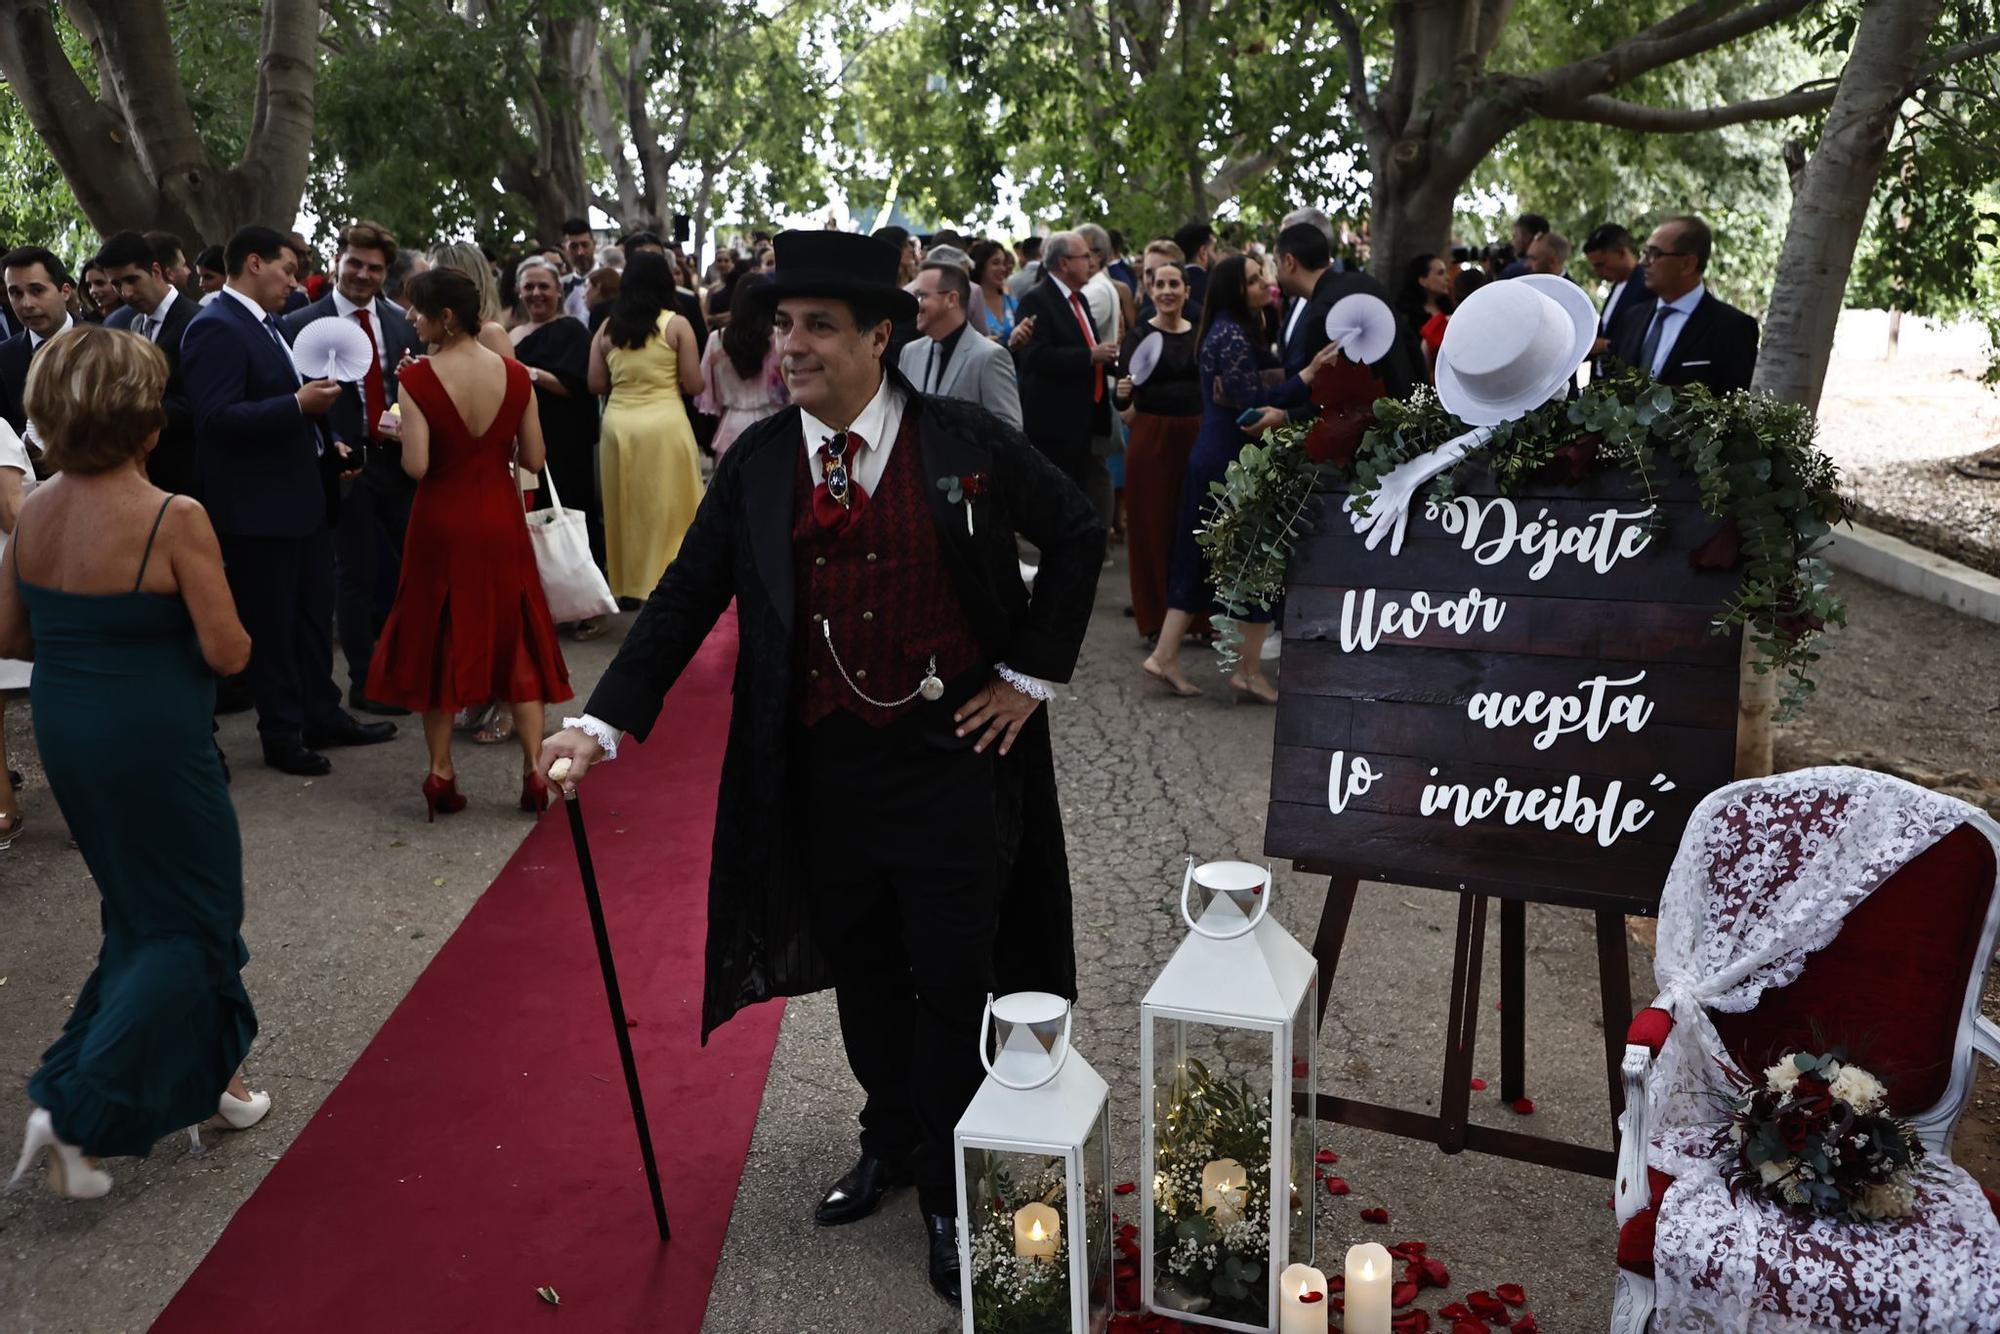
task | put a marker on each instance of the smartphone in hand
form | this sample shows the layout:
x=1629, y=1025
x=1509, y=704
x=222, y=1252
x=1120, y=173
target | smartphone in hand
x=1249, y=416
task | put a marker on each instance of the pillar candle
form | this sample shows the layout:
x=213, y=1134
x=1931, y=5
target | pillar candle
x=1037, y=1232
x=1225, y=1189
x=1369, y=1276
x=1302, y=1301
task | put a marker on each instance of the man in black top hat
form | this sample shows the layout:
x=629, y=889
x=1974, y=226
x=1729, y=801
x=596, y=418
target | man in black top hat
x=887, y=821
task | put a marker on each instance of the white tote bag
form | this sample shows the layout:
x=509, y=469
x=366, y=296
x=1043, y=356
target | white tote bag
x=570, y=579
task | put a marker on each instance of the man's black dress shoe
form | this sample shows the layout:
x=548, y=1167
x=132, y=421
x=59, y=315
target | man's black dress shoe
x=297, y=760
x=855, y=1195
x=349, y=732
x=942, y=1232
x=362, y=704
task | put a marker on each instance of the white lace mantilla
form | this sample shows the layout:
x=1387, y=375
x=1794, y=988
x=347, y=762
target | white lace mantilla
x=1765, y=875
x=1742, y=1265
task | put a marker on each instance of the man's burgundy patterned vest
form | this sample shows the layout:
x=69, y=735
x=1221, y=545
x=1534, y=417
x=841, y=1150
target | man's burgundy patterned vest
x=884, y=586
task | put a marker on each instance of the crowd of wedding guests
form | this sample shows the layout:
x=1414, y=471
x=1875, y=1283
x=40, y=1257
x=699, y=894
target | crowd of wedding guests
x=194, y=511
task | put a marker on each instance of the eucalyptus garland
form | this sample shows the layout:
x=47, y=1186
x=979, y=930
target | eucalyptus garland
x=1753, y=456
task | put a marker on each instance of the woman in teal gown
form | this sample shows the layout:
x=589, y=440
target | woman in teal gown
x=116, y=590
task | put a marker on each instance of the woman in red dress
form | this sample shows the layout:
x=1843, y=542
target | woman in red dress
x=470, y=624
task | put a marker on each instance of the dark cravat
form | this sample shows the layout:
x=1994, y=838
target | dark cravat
x=838, y=500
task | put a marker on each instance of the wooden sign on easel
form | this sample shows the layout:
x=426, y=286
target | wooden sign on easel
x=1524, y=704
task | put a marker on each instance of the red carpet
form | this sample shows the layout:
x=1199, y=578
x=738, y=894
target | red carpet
x=482, y=1146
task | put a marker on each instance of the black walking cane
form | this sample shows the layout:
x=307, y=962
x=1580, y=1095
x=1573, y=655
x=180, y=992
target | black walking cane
x=582, y=841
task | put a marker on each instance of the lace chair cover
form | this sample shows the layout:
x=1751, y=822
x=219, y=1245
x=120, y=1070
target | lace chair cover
x=1766, y=873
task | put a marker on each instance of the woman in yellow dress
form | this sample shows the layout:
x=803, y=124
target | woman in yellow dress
x=645, y=358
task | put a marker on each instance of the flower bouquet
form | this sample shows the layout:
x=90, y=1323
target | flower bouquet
x=1211, y=1244
x=1014, y=1293
x=1816, y=1137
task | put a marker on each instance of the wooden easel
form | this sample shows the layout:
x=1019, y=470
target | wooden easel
x=1450, y=1128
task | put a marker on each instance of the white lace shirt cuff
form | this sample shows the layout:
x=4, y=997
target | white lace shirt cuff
x=603, y=733
x=1031, y=686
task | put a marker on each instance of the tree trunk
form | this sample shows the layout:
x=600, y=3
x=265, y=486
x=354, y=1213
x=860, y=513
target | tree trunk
x=1829, y=206
x=132, y=155
x=1408, y=218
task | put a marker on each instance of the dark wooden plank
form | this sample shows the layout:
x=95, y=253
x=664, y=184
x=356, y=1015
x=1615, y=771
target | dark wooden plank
x=1540, y=626
x=1513, y=999
x=1680, y=695
x=1687, y=755
x=1565, y=869
x=1676, y=525
x=1670, y=481
x=1510, y=1144
x=1343, y=562
x=1300, y=773
x=1332, y=934
x=1614, y=982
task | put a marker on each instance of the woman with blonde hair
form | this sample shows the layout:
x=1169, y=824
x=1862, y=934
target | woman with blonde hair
x=471, y=261
x=115, y=590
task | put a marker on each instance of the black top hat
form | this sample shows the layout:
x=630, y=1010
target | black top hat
x=845, y=265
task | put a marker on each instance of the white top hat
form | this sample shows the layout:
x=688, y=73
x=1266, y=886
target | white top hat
x=1512, y=346
x=1363, y=325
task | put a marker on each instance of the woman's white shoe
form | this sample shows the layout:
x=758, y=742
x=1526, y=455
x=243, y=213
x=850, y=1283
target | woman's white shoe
x=70, y=1173
x=234, y=1113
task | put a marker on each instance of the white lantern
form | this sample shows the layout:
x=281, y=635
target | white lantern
x=1226, y=1055
x=1033, y=1157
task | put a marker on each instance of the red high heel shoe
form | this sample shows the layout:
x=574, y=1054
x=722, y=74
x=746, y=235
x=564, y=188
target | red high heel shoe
x=534, y=796
x=441, y=794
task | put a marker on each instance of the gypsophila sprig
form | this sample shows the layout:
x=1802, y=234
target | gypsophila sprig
x=1012, y=1294
x=1212, y=1261
x=1754, y=457
x=1815, y=1135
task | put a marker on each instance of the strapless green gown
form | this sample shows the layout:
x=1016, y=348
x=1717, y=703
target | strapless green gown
x=123, y=704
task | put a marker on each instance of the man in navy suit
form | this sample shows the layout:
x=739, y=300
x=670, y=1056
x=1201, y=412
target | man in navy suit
x=374, y=507
x=1691, y=336
x=1614, y=258
x=164, y=251
x=39, y=289
x=267, y=465
x=1312, y=285
x=155, y=310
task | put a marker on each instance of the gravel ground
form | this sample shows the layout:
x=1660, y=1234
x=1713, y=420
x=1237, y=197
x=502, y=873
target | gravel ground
x=1897, y=425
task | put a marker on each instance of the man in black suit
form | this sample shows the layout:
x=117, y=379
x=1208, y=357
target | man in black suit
x=1691, y=336
x=160, y=314
x=267, y=469
x=1197, y=243
x=1614, y=259
x=1065, y=395
x=1526, y=228
x=163, y=250
x=888, y=821
x=374, y=507
x=39, y=289
x=1311, y=286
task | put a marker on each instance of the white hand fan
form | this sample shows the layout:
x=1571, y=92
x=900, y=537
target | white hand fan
x=1363, y=325
x=333, y=349
x=1146, y=357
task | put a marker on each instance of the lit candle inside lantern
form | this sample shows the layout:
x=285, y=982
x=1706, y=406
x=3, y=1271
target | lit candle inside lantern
x=1367, y=1289
x=1037, y=1232
x=1302, y=1301
x=1225, y=1188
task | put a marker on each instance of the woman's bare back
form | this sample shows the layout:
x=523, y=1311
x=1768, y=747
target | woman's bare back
x=475, y=379
x=88, y=535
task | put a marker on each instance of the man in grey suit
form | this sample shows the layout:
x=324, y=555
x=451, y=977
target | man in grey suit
x=947, y=358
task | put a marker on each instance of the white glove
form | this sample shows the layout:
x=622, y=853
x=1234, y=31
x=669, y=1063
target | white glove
x=1389, y=504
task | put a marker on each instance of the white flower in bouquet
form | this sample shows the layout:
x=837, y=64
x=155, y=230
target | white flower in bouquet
x=1858, y=1089
x=1775, y=1172
x=1888, y=1199
x=1781, y=1077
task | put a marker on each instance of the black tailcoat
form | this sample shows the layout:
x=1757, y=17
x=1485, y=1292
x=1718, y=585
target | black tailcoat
x=760, y=941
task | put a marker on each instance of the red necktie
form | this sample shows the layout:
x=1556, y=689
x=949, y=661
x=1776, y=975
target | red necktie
x=837, y=482
x=1089, y=340
x=373, y=395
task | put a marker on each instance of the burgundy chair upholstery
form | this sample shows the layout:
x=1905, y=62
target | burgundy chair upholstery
x=1915, y=938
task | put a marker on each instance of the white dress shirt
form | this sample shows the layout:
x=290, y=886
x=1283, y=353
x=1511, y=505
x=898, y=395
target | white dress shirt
x=157, y=316
x=345, y=309
x=878, y=426
x=35, y=340
x=1670, y=327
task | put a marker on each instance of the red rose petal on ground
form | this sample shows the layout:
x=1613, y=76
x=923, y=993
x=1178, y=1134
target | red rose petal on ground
x=1511, y=1293
x=1319, y=1174
x=1125, y=1187
x=1525, y=1106
x=1456, y=1311
x=1336, y=1186
x=1402, y=1294
x=1435, y=1274
x=1326, y=1156
x=1470, y=1327
x=1411, y=1322
x=1486, y=1306
x=1525, y=1325
x=1375, y=1216
x=1298, y=1069
x=1336, y=1283
x=1478, y=1085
